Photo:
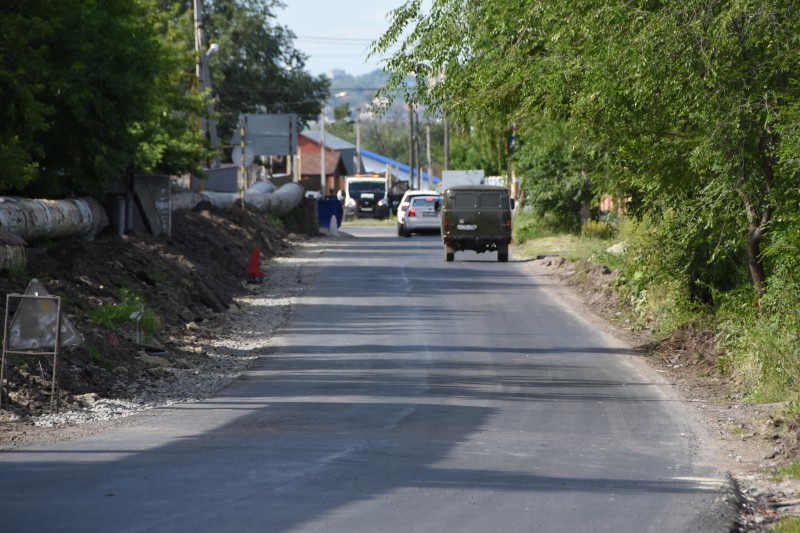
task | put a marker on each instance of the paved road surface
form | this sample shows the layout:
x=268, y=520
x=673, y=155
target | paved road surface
x=406, y=394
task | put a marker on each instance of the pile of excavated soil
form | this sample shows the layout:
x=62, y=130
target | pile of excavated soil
x=185, y=280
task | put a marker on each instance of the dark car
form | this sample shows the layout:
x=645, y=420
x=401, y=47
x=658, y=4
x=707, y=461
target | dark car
x=477, y=218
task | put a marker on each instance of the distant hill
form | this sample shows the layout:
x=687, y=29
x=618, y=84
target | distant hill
x=359, y=91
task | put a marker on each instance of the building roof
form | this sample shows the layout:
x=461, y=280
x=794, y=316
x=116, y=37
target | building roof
x=331, y=141
x=401, y=168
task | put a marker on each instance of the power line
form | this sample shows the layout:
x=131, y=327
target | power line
x=335, y=40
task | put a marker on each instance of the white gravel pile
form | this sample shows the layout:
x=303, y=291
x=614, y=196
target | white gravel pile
x=240, y=338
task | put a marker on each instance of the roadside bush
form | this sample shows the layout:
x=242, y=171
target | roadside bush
x=761, y=343
x=597, y=229
x=121, y=313
x=530, y=225
x=650, y=278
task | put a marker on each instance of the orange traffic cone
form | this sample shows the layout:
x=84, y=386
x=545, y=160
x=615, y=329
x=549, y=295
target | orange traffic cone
x=254, y=274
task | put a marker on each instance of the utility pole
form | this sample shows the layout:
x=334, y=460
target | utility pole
x=446, y=144
x=411, y=163
x=208, y=123
x=417, y=151
x=428, y=152
x=242, y=177
x=322, y=174
x=358, y=142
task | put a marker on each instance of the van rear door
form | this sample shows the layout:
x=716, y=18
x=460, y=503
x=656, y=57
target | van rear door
x=481, y=213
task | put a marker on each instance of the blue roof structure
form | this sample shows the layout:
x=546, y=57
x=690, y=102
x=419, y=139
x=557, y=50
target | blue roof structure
x=401, y=168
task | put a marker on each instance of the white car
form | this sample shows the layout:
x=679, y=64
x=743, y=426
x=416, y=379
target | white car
x=424, y=214
x=403, y=207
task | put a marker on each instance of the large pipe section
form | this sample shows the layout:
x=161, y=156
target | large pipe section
x=51, y=219
x=29, y=220
x=85, y=217
x=283, y=200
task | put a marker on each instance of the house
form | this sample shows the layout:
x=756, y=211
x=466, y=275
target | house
x=340, y=161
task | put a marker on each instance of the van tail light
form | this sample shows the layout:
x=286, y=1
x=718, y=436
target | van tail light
x=412, y=212
x=446, y=225
x=507, y=224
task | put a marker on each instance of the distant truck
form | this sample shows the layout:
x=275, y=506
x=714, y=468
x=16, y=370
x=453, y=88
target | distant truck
x=366, y=196
x=451, y=178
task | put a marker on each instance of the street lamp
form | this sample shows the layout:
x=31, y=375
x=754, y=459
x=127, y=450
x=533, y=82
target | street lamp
x=203, y=76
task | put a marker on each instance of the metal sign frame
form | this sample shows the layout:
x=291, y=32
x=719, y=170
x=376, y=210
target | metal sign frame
x=54, y=400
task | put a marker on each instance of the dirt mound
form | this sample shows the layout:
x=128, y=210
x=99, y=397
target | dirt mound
x=183, y=280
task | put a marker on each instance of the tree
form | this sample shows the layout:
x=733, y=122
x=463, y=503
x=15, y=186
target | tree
x=558, y=172
x=689, y=99
x=23, y=115
x=93, y=94
x=480, y=146
x=342, y=112
x=257, y=69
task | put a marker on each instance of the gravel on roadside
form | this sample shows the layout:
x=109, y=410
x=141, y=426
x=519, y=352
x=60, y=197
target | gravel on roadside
x=235, y=340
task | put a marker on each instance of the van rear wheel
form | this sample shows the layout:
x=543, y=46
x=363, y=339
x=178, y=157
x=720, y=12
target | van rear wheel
x=449, y=256
x=502, y=253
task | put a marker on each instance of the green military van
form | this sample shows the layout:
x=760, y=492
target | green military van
x=477, y=218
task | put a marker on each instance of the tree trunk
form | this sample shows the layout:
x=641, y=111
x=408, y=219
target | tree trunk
x=756, y=222
x=754, y=263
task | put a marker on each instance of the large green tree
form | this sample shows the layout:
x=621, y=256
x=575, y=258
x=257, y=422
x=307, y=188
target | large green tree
x=690, y=99
x=91, y=90
x=257, y=69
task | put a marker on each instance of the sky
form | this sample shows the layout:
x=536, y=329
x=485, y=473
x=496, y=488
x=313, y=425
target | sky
x=337, y=35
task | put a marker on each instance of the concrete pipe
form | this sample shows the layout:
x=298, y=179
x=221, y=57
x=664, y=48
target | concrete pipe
x=283, y=200
x=51, y=219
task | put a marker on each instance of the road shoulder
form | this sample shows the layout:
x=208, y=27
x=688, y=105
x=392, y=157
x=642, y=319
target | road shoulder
x=744, y=440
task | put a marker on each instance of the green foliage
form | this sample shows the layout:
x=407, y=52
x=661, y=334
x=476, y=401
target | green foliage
x=655, y=277
x=342, y=112
x=480, y=146
x=789, y=471
x=787, y=524
x=697, y=134
x=275, y=220
x=257, y=68
x=761, y=343
x=92, y=90
x=597, y=229
x=529, y=225
x=129, y=302
x=300, y=221
x=23, y=116
x=557, y=170
x=98, y=358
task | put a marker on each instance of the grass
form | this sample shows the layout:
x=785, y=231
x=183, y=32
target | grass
x=789, y=471
x=570, y=247
x=121, y=313
x=787, y=525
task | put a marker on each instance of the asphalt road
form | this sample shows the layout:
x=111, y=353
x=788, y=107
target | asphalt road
x=406, y=394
